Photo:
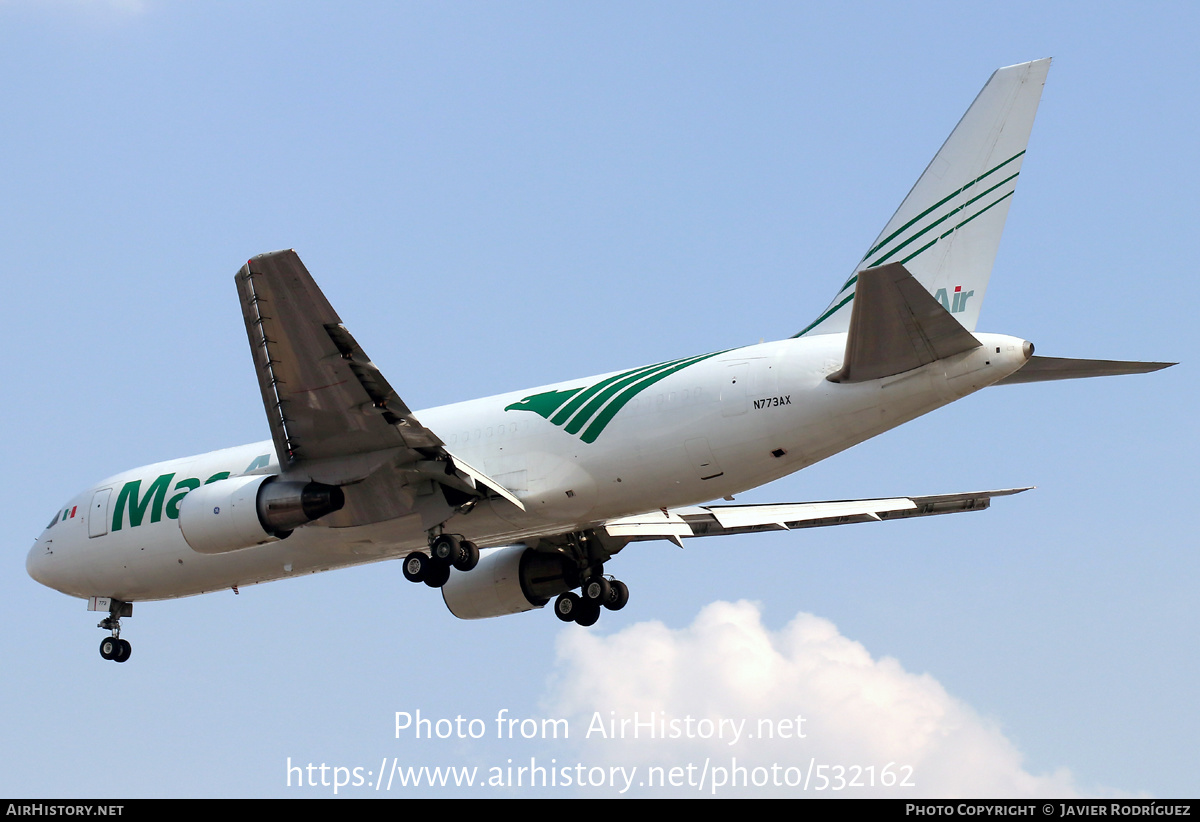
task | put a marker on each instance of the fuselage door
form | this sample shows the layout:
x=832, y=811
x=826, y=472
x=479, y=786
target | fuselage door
x=98, y=513
x=733, y=392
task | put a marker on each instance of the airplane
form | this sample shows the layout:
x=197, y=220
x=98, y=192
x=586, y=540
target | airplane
x=509, y=502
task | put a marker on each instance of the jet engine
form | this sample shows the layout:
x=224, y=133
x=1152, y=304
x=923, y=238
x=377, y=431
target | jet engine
x=241, y=512
x=508, y=581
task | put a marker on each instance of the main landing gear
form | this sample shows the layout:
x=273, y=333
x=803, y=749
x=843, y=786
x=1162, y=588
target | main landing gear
x=597, y=592
x=587, y=551
x=446, y=551
x=113, y=647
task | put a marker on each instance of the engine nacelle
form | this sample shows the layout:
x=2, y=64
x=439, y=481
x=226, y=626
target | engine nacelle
x=241, y=512
x=507, y=581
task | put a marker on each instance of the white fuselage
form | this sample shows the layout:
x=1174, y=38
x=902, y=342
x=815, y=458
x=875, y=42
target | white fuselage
x=719, y=426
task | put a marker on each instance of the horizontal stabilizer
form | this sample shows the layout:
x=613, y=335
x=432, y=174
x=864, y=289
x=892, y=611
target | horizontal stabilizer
x=720, y=520
x=896, y=326
x=1040, y=369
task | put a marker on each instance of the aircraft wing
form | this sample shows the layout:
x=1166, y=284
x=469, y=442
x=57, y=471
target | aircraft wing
x=332, y=413
x=323, y=395
x=718, y=520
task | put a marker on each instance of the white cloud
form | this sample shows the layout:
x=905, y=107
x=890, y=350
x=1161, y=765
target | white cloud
x=857, y=710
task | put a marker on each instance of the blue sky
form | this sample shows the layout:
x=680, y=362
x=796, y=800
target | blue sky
x=502, y=196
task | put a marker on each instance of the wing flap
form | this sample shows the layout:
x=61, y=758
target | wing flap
x=653, y=525
x=723, y=520
x=748, y=516
x=475, y=478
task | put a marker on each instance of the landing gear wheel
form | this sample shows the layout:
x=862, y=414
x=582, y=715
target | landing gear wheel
x=124, y=649
x=109, y=647
x=618, y=596
x=596, y=590
x=446, y=549
x=468, y=556
x=588, y=615
x=436, y=574
x=416, y=566
x=567, y=606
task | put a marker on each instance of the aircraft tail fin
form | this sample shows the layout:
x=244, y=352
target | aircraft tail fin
x=948, y=228
x=896, y=326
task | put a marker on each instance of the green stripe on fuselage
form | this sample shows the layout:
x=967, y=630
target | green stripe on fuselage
x=601, y=422
x=598, y=400
x=628, y=383
x=570, y=408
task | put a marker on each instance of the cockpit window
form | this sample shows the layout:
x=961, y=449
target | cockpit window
x=64, y=514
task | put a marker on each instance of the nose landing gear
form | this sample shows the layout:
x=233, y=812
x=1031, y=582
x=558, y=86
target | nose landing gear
x=113, y=647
